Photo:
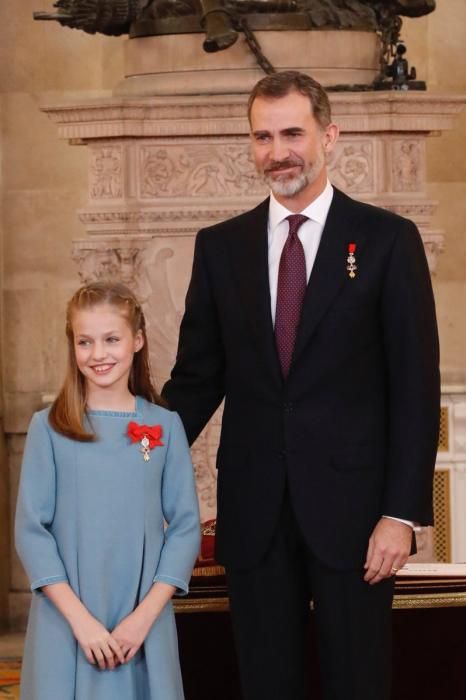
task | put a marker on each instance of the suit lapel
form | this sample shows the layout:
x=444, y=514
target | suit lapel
x=249, y=255
x=329, y=273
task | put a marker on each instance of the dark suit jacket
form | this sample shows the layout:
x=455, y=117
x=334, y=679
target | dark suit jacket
x=354, y=428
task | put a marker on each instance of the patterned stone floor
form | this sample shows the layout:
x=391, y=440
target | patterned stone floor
x=9, y=679
x=11, y=649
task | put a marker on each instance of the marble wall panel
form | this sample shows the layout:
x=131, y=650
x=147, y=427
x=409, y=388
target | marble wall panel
x=19, y=581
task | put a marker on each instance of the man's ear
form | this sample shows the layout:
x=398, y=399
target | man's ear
x=330, y=137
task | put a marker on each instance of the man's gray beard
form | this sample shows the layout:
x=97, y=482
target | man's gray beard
x=292, y=186
x=287, y=188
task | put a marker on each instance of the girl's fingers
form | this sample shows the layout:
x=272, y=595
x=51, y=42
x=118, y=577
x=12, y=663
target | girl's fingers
x=116, y=649
x=108, y=655
x=131, y=653
x=89, y=656
x=99, y=657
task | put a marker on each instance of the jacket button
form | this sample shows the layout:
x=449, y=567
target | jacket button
x=288, y=407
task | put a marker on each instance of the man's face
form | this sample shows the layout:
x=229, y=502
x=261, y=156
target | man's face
x=289, y=146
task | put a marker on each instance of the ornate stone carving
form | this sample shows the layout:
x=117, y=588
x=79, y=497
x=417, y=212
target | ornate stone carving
x=206, y=170
x=204, y=453
x=433, y=245
x=179, y=213
x=188, y=165
x=163, y=315
x=407, y=165
x=105, y=173
x=351, y=166
x=201, y=115
x=108, y=259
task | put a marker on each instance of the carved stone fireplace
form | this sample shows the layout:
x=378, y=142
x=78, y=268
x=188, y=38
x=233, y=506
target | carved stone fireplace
x=162, y=167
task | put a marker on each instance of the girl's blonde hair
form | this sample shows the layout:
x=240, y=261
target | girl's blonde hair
x=68, y=411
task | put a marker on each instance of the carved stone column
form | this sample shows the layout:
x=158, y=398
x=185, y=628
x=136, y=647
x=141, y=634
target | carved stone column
x=162, y=167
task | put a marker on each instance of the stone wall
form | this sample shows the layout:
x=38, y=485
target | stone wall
x=44, y=181
x=436, y=46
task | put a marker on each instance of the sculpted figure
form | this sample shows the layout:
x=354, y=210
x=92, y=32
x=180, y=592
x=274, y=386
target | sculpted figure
x=115, y=17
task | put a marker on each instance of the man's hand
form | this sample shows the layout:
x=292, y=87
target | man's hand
x=389, y=548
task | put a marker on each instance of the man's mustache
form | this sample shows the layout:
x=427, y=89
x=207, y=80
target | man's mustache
x=282, y=165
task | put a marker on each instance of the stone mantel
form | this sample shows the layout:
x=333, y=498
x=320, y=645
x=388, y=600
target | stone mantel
x=202, y=115
x=162, y=167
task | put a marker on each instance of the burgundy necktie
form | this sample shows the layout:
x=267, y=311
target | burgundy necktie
x=291, y=288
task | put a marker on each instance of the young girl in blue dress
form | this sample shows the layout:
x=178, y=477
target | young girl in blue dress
x=107, y=522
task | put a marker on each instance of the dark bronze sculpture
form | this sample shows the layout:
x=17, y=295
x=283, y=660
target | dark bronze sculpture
x=222, y=20
x=140, y=17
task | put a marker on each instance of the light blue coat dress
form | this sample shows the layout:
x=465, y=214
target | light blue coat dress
x=93, y=514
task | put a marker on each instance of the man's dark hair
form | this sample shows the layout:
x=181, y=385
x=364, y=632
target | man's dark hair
x=281, y=84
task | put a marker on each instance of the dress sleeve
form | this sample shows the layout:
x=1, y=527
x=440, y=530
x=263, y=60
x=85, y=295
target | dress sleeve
x=181, y=512
x=35, y=508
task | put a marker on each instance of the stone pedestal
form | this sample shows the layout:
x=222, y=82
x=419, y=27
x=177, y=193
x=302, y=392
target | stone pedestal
x=162, y=167
x=177, y=65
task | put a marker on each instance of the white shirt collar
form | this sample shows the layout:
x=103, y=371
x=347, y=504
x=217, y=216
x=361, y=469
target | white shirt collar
x=317, y=210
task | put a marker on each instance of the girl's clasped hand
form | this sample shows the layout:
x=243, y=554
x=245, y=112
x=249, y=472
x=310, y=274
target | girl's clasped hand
x=109, y=650
x=99, y=646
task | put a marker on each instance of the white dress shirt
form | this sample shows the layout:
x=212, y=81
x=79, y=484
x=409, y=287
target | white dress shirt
x=309, y=233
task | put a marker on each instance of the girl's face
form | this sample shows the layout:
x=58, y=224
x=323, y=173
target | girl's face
x=104, y=346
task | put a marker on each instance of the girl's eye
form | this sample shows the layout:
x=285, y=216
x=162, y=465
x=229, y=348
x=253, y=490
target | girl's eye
x=113, y=339
x=83, y=342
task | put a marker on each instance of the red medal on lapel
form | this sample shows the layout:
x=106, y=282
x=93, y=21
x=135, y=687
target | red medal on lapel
x=351, y=260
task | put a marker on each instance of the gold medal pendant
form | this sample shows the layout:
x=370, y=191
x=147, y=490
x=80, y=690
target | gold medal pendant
x=351, y=261
x=145, y=449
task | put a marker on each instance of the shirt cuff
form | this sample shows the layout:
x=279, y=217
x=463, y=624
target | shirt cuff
x=412, y=525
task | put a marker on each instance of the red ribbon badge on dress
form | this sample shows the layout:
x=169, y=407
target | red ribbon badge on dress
x=149, y=436
x=351, y=260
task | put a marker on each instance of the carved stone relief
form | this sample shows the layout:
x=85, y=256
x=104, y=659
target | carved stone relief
x=109, y=259
x=204, y=454
x=351, y=166
x=105, y=172
x=143, y=264
x=177, y=170
x=407, y=165
x=200, y=170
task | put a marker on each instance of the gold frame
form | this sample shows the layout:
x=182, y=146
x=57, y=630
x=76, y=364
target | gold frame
x=400, y=602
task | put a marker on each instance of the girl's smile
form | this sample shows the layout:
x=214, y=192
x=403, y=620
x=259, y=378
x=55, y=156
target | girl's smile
x=104, y=346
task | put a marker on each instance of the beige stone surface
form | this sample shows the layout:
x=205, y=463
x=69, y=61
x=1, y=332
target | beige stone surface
x=44, y=182
x=165, y=65
x=436, y=46
x=18, y=579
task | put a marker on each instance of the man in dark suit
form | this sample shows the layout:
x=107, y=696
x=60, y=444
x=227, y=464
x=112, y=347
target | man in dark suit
x=319, y=330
